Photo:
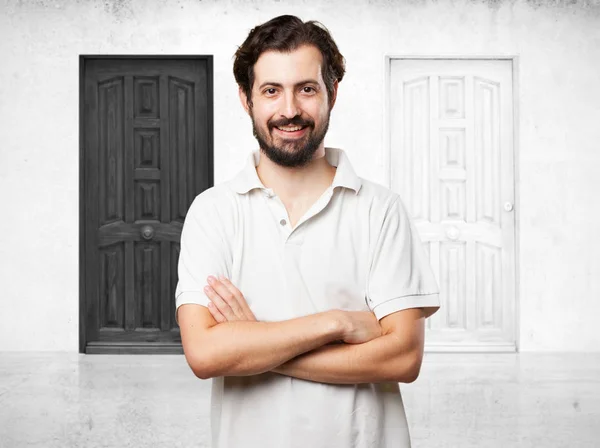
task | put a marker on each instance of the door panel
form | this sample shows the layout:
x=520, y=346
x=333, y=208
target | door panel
x=147, y=153
x=452, y=164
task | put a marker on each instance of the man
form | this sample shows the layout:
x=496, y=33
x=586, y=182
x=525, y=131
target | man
x=322, y=285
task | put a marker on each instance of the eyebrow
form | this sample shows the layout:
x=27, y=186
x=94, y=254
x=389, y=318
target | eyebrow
x=276, y=84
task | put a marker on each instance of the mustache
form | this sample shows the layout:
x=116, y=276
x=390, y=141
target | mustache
x=296, y=121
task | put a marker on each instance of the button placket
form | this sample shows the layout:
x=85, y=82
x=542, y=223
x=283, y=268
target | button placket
x=278, y=208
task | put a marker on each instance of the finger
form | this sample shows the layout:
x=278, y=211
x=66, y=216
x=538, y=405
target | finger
x=216, y=313
x=231, y=300
x=221, y=305
x=239, y=296
x=241, y=300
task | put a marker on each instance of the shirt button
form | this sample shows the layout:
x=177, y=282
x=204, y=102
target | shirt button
x=282, y=222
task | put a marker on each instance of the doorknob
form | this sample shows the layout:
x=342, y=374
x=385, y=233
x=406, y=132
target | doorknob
x=147, y=232
x=508, y=206
x=452, y=233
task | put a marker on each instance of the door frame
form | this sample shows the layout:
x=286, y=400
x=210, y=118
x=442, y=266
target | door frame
x=83, y=59
x=386, y=156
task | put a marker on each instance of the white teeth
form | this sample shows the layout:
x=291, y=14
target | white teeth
x=289, y=128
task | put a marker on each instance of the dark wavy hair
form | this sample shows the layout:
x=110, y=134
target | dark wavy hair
x=285, y=34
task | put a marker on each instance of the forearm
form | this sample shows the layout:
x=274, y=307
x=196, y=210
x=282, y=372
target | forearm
x=378, y=360
x=243, y=348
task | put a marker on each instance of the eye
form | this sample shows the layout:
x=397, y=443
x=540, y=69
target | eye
x=270, y=91
x=308, y=89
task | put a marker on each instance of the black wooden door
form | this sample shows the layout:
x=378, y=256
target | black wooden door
x=146, y=152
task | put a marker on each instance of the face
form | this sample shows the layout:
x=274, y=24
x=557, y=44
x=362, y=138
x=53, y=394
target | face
x=290, y=109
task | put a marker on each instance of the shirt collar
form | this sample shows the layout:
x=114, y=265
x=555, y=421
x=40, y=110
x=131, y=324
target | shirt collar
x=247, y=179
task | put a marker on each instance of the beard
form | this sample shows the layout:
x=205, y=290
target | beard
x=293, y=153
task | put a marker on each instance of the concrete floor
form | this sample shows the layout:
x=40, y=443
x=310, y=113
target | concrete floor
x=65, y=400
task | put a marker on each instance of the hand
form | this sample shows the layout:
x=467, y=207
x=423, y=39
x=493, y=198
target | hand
x=227, y=304
x=360, y=327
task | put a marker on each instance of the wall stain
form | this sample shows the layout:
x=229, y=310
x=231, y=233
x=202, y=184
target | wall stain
x=119, y=9
x=495, y=4
x=122, y=8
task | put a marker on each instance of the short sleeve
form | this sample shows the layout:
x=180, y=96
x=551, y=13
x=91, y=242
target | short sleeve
x=204, y=250
x=400, y=275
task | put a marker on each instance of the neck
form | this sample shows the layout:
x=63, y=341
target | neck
x=296, y=183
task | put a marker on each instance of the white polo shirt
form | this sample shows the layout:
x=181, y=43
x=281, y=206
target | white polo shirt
x=354, y=249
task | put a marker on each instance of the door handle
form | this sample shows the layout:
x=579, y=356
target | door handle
x=147, y=232
x=452, y=233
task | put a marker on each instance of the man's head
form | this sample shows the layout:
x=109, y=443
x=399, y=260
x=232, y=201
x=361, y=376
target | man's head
x=288, y=73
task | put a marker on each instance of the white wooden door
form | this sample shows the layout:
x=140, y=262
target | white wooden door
x=452, y=162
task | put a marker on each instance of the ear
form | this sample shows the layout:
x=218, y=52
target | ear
x=334, y=94
x=244, y=100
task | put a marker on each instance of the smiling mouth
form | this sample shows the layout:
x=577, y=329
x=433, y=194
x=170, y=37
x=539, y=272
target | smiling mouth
x=291, y=131
x=290, y=128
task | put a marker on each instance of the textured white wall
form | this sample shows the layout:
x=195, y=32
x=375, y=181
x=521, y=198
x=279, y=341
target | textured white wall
x=557, y=152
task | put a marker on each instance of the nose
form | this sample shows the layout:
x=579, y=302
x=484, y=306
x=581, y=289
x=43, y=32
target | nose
x=289, y=106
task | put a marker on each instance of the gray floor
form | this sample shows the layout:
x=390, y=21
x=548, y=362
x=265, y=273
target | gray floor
x=481, y=400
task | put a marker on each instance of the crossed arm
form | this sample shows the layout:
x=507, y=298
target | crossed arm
x=299, y=348
x=393, y=357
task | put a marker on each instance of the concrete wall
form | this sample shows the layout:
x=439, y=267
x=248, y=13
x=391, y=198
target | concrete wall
x=557, y=133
